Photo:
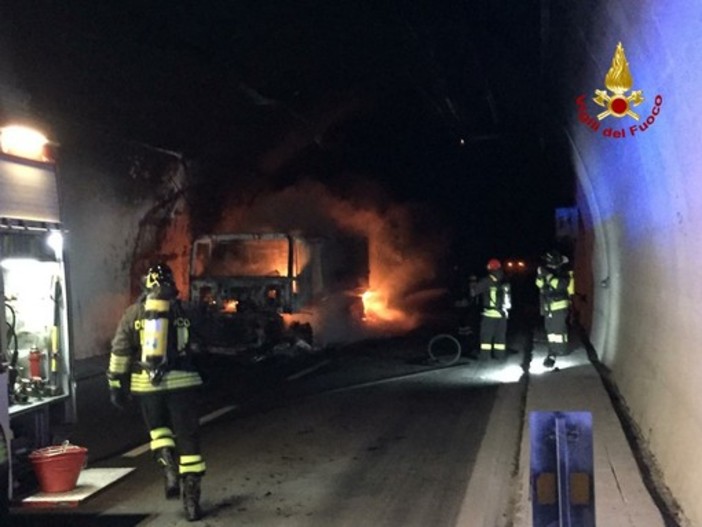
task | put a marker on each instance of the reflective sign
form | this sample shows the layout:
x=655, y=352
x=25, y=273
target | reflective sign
x=562, y=475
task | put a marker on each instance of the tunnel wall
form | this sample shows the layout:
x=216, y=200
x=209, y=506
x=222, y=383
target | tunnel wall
x=641, y=199
x=108, y=192
x=99, y=242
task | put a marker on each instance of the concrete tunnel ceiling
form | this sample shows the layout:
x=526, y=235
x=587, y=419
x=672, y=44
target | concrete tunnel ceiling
x=266, y=94
x=387, y=106
x=640, y=195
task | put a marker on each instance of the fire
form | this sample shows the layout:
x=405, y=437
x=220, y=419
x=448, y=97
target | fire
x=399, y=262
x=401, y=248
x=248, y=257
x=230, y=306
x=376, y=308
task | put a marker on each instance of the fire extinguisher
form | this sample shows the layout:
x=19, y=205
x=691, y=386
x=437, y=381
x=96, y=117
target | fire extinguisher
x=35, y=363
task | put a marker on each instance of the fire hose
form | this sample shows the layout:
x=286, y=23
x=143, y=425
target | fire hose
x=12, y=359
x=54, y=388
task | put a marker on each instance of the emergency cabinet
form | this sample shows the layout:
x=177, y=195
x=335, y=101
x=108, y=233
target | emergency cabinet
x=36, y=386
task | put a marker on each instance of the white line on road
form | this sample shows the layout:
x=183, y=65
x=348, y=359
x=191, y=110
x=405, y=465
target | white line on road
x=307, y=370
x=142, y=449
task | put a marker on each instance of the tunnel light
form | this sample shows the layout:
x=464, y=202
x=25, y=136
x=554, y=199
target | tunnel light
x=55, y=242
x=22, y=141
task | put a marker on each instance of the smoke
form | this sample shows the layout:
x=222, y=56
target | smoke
x=402, y=253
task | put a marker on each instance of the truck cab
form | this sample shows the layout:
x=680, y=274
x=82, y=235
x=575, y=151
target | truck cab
x=245, y=286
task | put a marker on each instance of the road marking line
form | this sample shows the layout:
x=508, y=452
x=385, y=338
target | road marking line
x=307, y=370
x=142, y=449
x=135, y=452
x=217, y=413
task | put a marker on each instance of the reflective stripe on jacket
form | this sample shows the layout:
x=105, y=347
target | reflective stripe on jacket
x=556, y=289
x=495, y=295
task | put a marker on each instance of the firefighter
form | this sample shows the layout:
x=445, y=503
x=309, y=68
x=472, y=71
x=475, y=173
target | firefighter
x=496, y=296
x=556, y=287
x=151, y=359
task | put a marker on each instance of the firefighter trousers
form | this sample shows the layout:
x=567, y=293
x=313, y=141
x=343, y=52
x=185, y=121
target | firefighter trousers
x=493, y=336
x=172, y=420
x=556, y=326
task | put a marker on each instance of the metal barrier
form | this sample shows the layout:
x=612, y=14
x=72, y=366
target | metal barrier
x=562, y=475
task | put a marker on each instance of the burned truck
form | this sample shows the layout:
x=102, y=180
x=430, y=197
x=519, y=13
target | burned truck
x=255, y=291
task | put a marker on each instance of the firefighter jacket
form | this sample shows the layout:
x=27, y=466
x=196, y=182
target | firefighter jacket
x=150, y=349
x=495, y=293
x=556, y=287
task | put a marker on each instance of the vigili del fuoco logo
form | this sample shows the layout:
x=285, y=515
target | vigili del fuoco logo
x=617, y=104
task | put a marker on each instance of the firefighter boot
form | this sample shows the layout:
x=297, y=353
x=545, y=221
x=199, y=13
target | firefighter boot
x=549, y=361
x=191, y=496
x=166, y=458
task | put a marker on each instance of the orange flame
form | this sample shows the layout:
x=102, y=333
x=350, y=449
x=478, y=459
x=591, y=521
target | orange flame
x=401, y=251
x=398, y=262
x=376, y=308
x=230, y=306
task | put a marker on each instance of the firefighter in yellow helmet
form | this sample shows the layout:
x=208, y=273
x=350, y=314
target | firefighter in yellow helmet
x=151, y=358
x=496, y=296
x=556, y=287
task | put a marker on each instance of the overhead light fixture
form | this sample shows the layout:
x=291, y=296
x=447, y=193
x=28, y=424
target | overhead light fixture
x=55, y=242
x=22, y=141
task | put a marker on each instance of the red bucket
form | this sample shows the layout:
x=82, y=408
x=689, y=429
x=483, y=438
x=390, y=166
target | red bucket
x=57, y=467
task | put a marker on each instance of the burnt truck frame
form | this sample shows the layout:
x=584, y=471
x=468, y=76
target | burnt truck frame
x=243, y=284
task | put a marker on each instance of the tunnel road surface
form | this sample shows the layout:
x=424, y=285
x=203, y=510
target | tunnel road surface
x=429, y=448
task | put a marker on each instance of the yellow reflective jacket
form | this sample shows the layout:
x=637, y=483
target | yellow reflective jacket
x=495, y=293
x=556, y=289
x=128, y=344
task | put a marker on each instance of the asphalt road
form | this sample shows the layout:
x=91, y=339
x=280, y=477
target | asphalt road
x=371, y=435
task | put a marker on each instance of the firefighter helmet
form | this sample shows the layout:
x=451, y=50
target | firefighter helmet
x=554, y=259
x=493, y=264
x=158, y=276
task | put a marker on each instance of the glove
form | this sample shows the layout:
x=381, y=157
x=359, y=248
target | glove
x=119, y=398
x=119, y=391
